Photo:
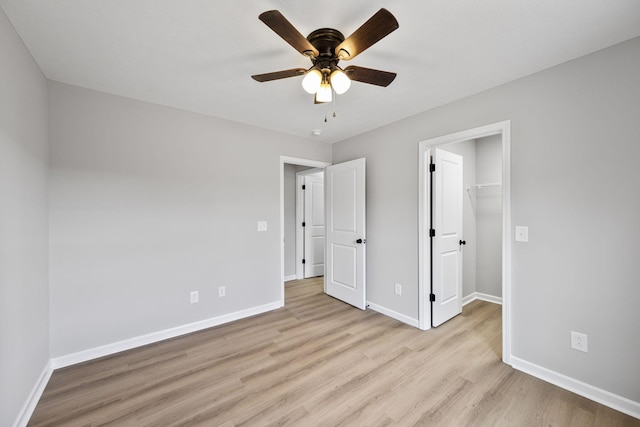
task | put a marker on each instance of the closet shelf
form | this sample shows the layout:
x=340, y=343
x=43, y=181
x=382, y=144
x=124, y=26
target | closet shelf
x=479, y=186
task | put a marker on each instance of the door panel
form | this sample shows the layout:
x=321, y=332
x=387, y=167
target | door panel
x=344, y=198
x=314, y=225
x=447, y=193
x=449, y=268
x=344, y=261
x=345, y=225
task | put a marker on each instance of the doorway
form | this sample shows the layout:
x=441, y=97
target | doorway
x=501, y=131
x=345, y=229
x=300, y=164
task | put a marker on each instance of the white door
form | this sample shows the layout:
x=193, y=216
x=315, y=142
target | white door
x=345, y=232
x=447, y=243
x=313, y=225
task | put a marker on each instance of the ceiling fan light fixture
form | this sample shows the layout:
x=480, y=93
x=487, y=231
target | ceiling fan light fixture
x=312, y=81
x=340, y=82
x=324, y=92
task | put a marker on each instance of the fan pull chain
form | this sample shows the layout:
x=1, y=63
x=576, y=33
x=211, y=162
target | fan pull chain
x=333, y=100
x=334, y=105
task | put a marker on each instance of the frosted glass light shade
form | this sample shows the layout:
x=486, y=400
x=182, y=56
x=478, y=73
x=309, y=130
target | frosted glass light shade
x=324, y=93
x=340, y=82
x=312, y=80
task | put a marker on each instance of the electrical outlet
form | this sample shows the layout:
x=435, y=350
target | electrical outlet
x=398, y=289
x=579, y=341
x=522, y=233
x=222, y=291
x=195, y=297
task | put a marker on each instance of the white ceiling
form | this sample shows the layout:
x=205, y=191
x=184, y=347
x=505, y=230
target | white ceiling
x=199, y=55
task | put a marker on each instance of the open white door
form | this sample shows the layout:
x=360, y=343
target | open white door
x=313, y=225
x=447, y=241
x=345, y=232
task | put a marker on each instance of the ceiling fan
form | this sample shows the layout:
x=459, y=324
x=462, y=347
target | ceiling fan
x=326, y=47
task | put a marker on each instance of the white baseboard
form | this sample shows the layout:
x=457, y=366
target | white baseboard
x=604, y=397
x=393, y=314
x=484, y=297
x=291, y=277
x=128, y=344
x=36, y=393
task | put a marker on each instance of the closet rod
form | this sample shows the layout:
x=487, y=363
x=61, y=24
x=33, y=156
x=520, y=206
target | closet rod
x=479, y=186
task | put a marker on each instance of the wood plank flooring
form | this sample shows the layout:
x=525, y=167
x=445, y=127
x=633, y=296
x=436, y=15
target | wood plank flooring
x=318, y=362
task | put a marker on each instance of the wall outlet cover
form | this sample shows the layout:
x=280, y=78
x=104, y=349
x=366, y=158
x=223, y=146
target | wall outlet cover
x=194, y=297
x=579, y=341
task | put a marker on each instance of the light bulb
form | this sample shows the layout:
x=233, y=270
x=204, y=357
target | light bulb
x=340, y=81
x=324, y=92
x=312, y=80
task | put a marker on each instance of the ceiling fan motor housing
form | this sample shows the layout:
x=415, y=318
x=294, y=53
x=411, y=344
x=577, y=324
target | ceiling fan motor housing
x=325, y=40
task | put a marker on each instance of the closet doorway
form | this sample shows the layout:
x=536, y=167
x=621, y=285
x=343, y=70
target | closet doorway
x=482, y=258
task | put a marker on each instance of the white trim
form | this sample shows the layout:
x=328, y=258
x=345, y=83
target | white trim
x=289, y=278
x=299, y=236
x=506, y=242
x=424, y=310
x=596, y=394
x=36, y=393
x=424, y=248
x=293, y=161
x=128, y=344
x=483, y=297
x=393, y=314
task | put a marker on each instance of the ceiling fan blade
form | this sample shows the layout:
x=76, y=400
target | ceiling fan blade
x=369, y=75
x=282, y=27
x=267, y=77
x=377, y=27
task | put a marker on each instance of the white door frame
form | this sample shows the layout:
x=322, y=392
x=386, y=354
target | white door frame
x=293, y=161
x=300, y=217
x=500, y=128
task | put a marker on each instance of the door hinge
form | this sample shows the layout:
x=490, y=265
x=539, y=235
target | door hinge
x=304, y=187
x=304, y=224
x=303, y=261
x=432, y=297
x=432, y=167
x=432, y=232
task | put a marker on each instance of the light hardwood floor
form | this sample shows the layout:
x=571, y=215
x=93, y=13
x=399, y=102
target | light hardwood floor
x=318, y=362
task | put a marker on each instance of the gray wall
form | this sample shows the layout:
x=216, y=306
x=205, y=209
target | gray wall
x=488, y=210
x=574, y=174
x=24, y=292
x=290, y=219
x=149, y=203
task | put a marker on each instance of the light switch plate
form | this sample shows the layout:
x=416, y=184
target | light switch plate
x=522, y=233
x=262, y=225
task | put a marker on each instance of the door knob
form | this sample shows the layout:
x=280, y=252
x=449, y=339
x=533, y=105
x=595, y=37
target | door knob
x=360, y=241
x=463, y=242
